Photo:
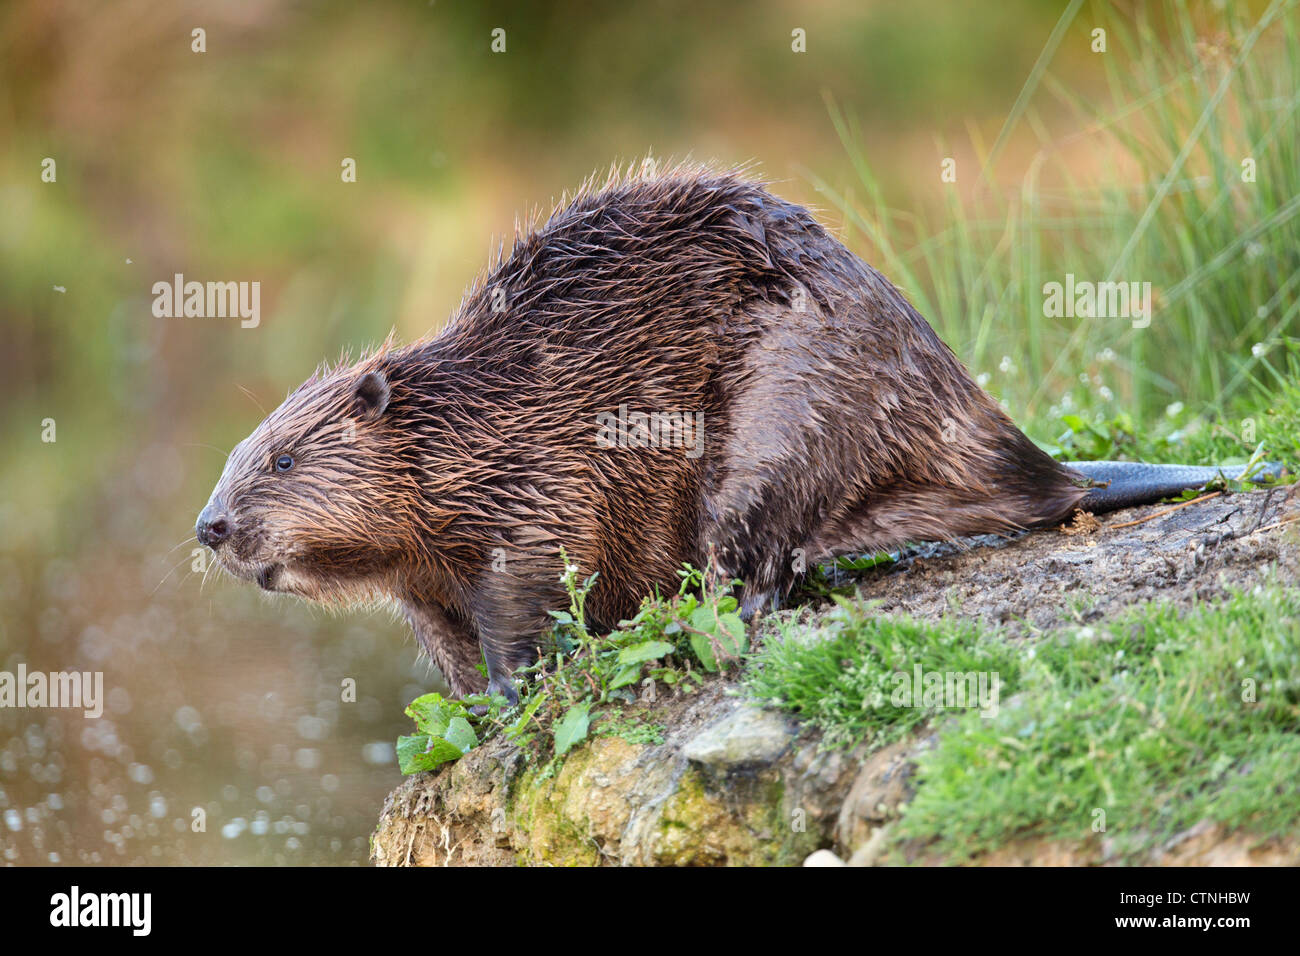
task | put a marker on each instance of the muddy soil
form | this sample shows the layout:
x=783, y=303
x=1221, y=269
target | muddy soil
x=1096, y=567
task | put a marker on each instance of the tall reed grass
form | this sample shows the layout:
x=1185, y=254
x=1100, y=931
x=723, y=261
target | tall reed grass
x=1165, y=196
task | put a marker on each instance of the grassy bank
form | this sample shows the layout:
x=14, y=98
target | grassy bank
x=1132, y=729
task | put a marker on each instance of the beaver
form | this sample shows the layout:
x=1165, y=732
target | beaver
x=673, y=368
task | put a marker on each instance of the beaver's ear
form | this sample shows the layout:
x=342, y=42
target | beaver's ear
x=372, y=394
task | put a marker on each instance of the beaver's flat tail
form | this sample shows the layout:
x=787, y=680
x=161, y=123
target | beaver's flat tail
x=1126, y=484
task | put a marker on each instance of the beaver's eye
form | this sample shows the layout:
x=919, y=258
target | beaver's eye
x=283, y=463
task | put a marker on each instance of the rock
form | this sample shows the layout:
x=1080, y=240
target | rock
x=883, y=784
x=1208, y=844
x=729, y=785
x=869, y=853
x=611, y=801
x=823, y=858
x=747, y=738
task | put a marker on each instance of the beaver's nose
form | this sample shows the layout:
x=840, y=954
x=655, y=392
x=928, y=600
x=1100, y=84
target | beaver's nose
x=213, y=526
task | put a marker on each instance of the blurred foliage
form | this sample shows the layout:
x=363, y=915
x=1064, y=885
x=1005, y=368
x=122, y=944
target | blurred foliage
x=1182, y=174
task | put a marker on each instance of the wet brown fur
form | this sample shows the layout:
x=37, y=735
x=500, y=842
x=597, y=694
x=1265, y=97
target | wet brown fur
x=447, y=473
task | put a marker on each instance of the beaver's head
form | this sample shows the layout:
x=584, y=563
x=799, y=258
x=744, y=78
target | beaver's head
x=318, y=500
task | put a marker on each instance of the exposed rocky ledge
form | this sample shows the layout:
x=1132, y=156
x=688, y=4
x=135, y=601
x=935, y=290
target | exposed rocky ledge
x=723, y=787
x=732, y=784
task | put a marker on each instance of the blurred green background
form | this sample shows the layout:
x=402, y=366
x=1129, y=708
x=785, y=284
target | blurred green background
x=225, y=165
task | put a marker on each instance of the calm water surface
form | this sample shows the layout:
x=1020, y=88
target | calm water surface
x=215, y=697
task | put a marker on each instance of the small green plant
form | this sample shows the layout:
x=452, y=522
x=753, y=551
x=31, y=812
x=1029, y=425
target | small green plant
x=1086, y=440
x=443, y=733
x=1278, y=392
x=579, y=688
x=1179, y=440
x=1154, y=720
x=632, y=729
x=839, y=579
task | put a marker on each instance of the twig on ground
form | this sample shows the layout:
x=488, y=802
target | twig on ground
x=1167, y=511
x=1279, y=524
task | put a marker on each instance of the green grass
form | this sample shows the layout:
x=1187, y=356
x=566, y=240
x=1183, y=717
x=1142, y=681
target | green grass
x=1148, y=719
x=1267, y=415
x=1150, y=722
x=840, y=675
x=1167, y=204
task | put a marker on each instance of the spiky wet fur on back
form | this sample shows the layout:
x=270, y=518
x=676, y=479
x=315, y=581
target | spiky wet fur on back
x=835, y=420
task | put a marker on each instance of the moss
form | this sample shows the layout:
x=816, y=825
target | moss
x=743, y=825
x=634, y=730
x=567, y=817
x=549, y=836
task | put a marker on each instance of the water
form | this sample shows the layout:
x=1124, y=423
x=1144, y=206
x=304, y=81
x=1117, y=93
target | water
x=226, y=735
